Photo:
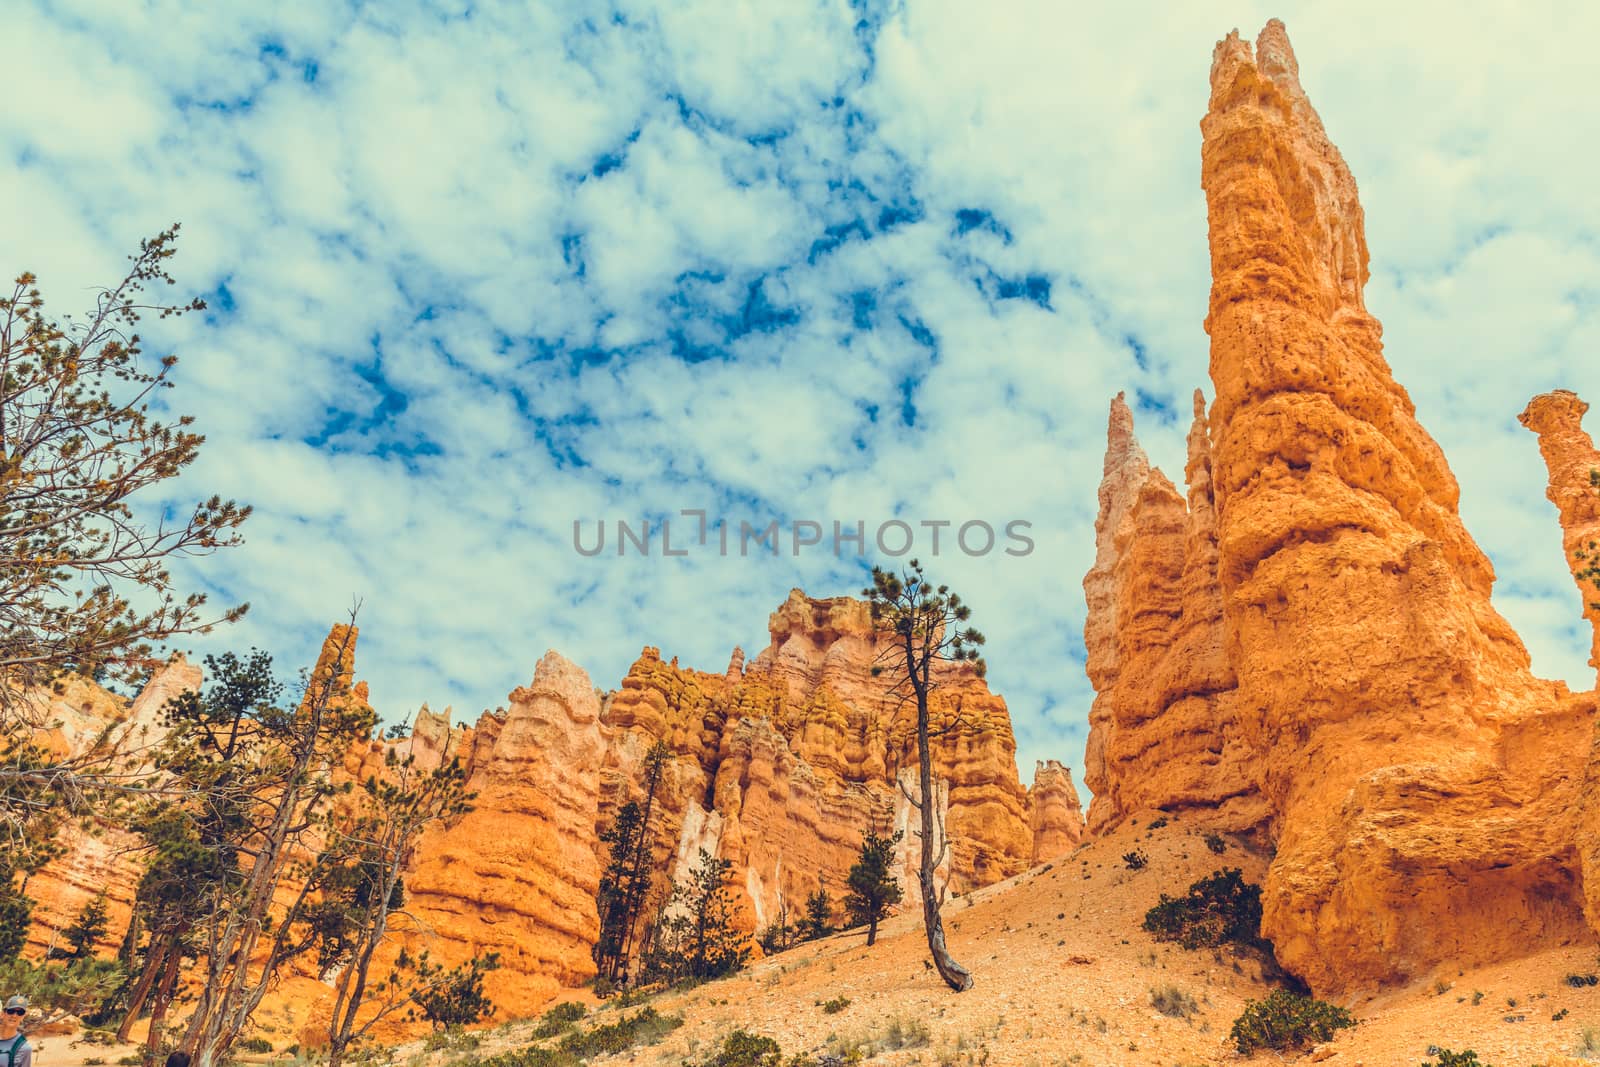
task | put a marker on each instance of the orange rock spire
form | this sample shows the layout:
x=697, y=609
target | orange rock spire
x=1390, y=707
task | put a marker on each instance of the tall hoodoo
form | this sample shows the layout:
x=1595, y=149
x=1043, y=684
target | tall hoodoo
x=1574, y=463
x=1574, y=466
x=1392, y=708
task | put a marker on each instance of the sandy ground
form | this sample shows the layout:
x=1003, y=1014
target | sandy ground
x=1064, y=975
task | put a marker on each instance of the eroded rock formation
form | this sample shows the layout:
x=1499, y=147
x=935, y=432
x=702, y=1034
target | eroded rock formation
x=517, y=875
x=1054, y=811
x=782, y=761
x=1422, y=782
x=1163, y=729
x=1574, y=466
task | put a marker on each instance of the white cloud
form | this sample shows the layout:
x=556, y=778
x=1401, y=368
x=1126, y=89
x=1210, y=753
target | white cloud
x=458, y=249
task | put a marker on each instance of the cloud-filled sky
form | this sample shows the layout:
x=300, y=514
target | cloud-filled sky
x=477, y=271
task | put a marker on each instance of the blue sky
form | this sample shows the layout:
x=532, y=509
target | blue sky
x=476, y=271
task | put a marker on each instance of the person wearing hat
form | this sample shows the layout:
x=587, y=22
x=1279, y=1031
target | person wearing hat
x=13, y=1043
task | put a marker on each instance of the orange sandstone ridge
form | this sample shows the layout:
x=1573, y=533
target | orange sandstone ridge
x=778, y=765
x=1345, y=685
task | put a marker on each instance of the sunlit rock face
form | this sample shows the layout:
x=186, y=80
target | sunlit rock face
x=517, y=875
x=782, y=762
x=1054, y=812
x=1574, y=465
x=1164, y=731
x=1422, y=784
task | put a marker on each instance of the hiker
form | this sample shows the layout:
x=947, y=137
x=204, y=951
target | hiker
x=12, y=1040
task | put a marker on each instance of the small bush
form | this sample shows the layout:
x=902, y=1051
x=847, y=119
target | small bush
x=744, y=1049
x=1157, y=823
x=1588, y=1045
x=1216, y=843
x=558, y=1019
x=835, y=1006
x=1171, y=1001
x=1443, y=1057
x=130, y=1061
x=1579, y=980
x=1287, y=1020
x=1217, y=910
x=1135, y=860
x=644, y=1027
x=255, y=1044
x=452, y=1038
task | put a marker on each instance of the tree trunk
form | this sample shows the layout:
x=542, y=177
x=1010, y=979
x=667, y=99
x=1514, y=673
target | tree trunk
x=159, y=1005
x=154, y=963
x=955, y=975
x=872, y=930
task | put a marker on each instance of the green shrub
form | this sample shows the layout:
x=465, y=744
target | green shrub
x=1216, y=843
x=1446, y=1058
x=1578, y=980
x=1171, y=1001
x=744, y=1049
x=1220, y=909
x=644, y=1027
x=255, y=1044
x=835, y=1006
x=1287, y=1020
x=1157, y=823
x=1135, y=860
x=558, y=1019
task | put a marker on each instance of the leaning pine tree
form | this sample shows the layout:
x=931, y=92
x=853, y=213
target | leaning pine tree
x=920, y=626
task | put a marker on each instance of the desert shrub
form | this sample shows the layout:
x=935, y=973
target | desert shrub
x=1588, y=1045
x=644, y=1027
x=1443, y=1057
x=558, y=1019
x=1157, y=823
x=1287, y=1020
x=1135, y=860
x=452, y=1038
x=1171, y=1001
x=1579, y=980
x=744, y=1049
x=1216, y=843
x=255, y=1044
x=1219, y=909
x=835, y=1006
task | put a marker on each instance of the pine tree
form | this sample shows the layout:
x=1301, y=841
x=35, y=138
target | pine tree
x=629, y=875
x=819, y=915
x=921, y=626
x=695, y=937
x=88, y=928
x=873, y=889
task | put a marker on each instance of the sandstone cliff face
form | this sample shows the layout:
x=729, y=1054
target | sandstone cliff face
x=1572, y=460
x=1422, y=783
x=1054, y=812
x=517, y=875
x=96, y=856
x=781, y=762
